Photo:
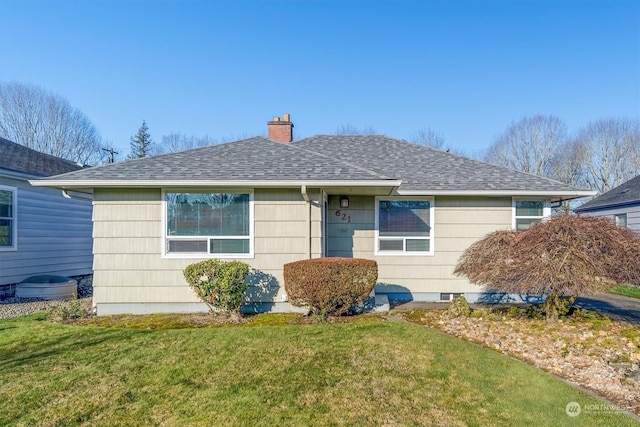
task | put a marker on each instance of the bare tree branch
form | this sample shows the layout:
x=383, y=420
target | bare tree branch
x=46, y=122
x=529, y=145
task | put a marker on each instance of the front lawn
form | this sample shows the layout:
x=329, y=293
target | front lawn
x=368, y=371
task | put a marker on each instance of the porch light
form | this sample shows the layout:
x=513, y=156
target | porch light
x=344, y=202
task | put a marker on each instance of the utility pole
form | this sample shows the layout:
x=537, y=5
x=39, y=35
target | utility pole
x=111, y=153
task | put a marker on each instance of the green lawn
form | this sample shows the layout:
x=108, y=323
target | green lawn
x=360, y=373
x=627, y=291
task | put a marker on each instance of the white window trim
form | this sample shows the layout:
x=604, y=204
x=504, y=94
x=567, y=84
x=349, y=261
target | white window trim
x=431, y=237
x=546, y=210
x=207, y=255
x=14, y=219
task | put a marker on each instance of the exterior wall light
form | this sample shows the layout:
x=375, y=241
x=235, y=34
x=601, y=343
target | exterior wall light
x=344, y=202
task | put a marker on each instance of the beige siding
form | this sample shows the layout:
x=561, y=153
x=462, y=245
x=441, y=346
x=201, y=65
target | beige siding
x=128, y=238
x=457, y=224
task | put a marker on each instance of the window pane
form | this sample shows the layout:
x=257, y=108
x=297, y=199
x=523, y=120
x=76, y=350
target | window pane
x=6, y=204
x=229, y=246
x=391, y=245
x=529, y=208
x=621, y=220
x=187, y=246
x=404, y=218
x=6, y=232
x=417, y=245
x=525, y=224
x=201, y=214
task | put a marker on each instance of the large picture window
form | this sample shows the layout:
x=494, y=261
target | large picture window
x=404, y=226
x=8, y=224
x=528, y=212
x=209, y=223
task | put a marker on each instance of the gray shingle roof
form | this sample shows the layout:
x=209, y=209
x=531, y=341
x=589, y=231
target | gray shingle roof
x=627, y=193
x=323, y=158
x=18, y=158
x=253, y=159
x=422, y=168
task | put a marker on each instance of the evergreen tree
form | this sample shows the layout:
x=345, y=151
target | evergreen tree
x=141, y=143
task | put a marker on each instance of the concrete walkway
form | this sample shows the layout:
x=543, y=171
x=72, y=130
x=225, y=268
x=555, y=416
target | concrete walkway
x=617, y=307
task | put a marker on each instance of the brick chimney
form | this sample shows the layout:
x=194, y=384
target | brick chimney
x=281, y=130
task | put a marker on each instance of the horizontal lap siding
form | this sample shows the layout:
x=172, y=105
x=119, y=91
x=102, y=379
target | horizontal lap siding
x=54, y=235
x=633, y=215
x=458, y=223
x=129, y=267
x=283, y=233
x=128, y=238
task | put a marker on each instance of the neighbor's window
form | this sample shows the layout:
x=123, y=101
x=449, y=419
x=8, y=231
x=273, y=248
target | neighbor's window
x=404, y=226
x=621, y=220
x=529, y=212
x=209, y=223
x=7, y=218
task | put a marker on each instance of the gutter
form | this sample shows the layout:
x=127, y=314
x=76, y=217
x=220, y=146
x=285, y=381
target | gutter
x=87, y=184
x=559, y=195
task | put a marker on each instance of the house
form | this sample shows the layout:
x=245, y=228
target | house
x=41, y=231
x=621, y=204
x=270, y=201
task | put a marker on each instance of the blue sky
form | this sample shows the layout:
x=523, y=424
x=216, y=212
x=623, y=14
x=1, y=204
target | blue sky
x=465, y=69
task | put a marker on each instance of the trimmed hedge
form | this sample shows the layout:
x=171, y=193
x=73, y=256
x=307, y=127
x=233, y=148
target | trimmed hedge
x=220, y=284
x=329, y=286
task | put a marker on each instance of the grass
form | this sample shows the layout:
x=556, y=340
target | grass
x=269, y=371
x=627, y=291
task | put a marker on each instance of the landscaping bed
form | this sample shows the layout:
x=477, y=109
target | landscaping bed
x=584, y=348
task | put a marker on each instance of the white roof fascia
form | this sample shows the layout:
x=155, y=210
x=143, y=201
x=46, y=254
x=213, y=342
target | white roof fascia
x=163, y=183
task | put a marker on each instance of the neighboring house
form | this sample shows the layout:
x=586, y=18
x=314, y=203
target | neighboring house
x=621, y=204
x=271, y=201
x=41, y=231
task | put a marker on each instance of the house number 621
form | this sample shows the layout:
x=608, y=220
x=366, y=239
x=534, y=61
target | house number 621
x=343, y=216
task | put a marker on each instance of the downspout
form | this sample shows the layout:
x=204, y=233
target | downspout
x=305, y=196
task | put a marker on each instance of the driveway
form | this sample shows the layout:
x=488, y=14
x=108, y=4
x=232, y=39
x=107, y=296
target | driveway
x=615, y=306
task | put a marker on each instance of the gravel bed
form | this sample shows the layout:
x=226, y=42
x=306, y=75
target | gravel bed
x=14, y=307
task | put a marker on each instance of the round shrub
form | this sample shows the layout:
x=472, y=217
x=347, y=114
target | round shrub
x=221, y=285
x=329, y=286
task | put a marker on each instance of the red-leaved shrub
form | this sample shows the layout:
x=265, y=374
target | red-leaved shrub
x=329, y=286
